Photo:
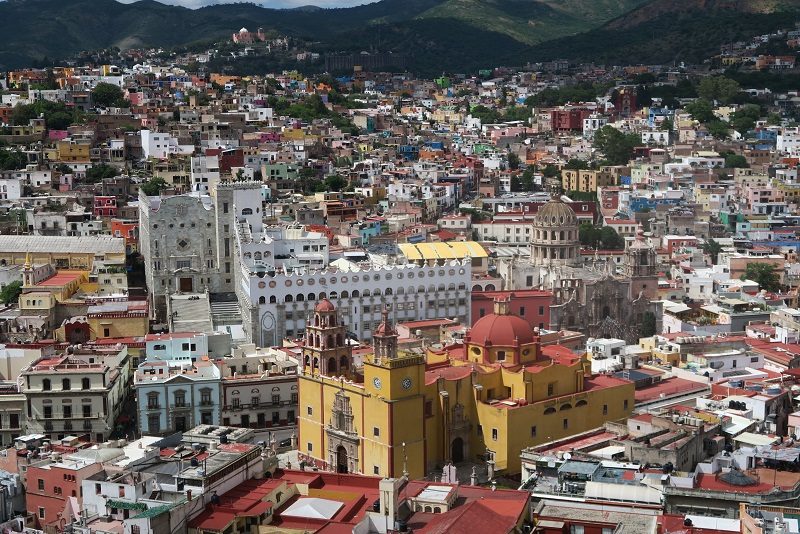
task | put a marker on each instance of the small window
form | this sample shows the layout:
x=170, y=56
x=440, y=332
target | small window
x=310, y=446
x=40, y=484
x=376, y=432
x=605, y=409
x=625, y=404
x=41, y=513
x=310, y=411
x=376, y=470
x=494, y=434
x=566, y=424
x=533, y=431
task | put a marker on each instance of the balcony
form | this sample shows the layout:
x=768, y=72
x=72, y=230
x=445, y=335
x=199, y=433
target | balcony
x=180, y=406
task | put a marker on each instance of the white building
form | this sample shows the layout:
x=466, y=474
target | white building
x=204, y=172
x=176, y=398
x=159, y=145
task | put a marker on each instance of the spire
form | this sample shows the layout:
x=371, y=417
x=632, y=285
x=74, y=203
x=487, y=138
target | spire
x=27, y=261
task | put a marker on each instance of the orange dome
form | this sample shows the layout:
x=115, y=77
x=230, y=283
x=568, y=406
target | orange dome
x=324, y=306
x=501, y=331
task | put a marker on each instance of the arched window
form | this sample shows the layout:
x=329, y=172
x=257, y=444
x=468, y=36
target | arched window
x=288, y=298
x=307, y=361
x=338, y=340
x=322, y=295
x=344, y=294
x=356, y=293
x=262, y=300
x=366, y=293
x=334, y=294
x=329, y=341
x=311, y=297
x=273, y=299
x=580, y=403
x=316, y=363
x=331, y=364
x=567, y=406
x=462, y=285
x=388, y=291
x=46, y=384
x=549, y=410
x=247, y=211
x=66, y=384
x=401, y=291
x=343, y=364
x=301, y=297
x=257, y=256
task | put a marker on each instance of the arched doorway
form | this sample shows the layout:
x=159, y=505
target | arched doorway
x=341, y=459
x=457, y=451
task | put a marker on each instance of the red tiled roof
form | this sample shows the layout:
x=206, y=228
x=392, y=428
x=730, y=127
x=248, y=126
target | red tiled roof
x=670, y=386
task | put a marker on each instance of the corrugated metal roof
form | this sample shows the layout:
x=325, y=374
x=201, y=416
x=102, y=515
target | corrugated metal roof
x=62, y=244
x=453, y=250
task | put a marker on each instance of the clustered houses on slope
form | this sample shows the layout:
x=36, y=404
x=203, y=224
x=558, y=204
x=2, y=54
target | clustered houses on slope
x=281, y=302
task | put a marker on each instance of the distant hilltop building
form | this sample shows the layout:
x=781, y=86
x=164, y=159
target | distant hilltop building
x=244, y=36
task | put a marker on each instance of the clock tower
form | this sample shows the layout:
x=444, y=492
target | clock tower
x=390, y=373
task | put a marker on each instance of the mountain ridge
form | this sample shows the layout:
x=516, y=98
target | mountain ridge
x=437, y=35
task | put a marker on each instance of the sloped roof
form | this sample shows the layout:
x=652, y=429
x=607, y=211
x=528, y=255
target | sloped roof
x=313, y=508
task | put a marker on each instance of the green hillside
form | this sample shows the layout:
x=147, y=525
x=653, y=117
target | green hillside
x=532, y=21
x=437, y=35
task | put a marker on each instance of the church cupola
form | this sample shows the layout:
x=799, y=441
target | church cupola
x=384, y=339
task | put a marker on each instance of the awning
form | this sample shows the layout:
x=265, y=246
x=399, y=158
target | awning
x=125, y=505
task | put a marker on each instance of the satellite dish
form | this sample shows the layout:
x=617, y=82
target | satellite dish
x=567, y=456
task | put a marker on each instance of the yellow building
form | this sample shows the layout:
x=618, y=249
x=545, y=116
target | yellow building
x=71, y=150
x=118, y=319
x=489, y=398
x=63, y=252
x=587, y=181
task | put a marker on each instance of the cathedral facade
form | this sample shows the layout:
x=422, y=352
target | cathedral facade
x=590, y=295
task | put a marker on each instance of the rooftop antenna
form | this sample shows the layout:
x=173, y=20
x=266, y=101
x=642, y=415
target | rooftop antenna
x=405, y=461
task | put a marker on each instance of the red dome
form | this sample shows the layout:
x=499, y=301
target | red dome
x=501, y=330
x=324, y=306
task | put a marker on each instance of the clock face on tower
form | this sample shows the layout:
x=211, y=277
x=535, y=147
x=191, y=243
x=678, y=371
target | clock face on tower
x=406, y=383
x=376, y=382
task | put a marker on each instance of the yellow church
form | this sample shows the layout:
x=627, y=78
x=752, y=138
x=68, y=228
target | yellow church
x=483, y=400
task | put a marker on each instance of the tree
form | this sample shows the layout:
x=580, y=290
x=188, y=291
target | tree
x=718, y=88
x=648, y=327
x=744, y=119
x=764, y=275
x=719, y=129
x=712, y=248
x=11, y=292
x=774, y=119
x=605, y=238
x=550, y=171
x=666, y=125
x=735, y=161
x=701, y=110
x=108, y=95
x=617, y=147
x=12, y=160
x=154, y=186
x=576, y=164
x=59, y=120
x=513, y=161
x=97, y=173
x=335, y=182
